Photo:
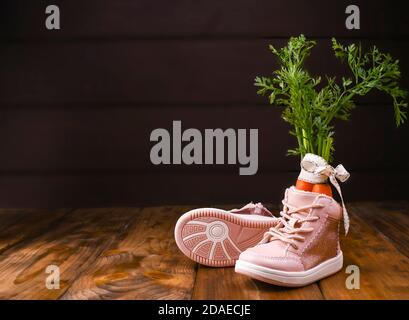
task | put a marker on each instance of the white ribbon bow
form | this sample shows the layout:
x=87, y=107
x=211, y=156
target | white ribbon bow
x=317, y=166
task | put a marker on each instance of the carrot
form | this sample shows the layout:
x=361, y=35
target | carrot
x=304, y=185
x=323, y=188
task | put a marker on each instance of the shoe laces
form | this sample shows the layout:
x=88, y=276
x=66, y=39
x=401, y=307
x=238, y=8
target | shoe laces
x=316, y=170
x=286, y=230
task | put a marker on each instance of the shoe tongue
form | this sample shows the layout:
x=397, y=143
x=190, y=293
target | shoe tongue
x=253, y=209
x=299, y=198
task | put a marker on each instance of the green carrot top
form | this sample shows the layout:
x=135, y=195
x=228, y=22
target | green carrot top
x=311, y=106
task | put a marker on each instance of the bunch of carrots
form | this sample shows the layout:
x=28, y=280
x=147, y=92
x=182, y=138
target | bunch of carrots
x=311, y=106
x=323, y=188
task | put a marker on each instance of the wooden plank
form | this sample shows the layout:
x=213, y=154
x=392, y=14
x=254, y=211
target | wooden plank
x=389, y=218
x=133, y=189
x=103, y=18
x=162, y=72
x=146, y=264
x=124, y=253
x=21, y=225
x=73, y=245
x=225, y=284
x=117, y=140
x=384, y=271
x=8, y=217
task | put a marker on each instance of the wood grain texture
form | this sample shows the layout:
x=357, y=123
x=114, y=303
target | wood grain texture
x=145, y=264
x=384, y=271
x=129, y=253
x=8, y=217
x=73, y=245
x=225, y=284
x=391, y=219
x=21, y=225
x=21, y=19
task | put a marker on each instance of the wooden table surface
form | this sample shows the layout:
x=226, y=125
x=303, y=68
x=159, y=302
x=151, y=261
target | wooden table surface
x=130, y=253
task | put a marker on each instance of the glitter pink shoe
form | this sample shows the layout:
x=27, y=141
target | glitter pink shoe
x=216, y=237
x=302, y=248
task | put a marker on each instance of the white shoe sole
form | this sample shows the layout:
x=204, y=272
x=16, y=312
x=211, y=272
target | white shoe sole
x=290, y=279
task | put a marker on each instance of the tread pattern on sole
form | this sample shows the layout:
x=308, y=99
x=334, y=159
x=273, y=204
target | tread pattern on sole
x=204, y=236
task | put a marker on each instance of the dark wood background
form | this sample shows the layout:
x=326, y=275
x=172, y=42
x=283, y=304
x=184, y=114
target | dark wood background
x=77, y=105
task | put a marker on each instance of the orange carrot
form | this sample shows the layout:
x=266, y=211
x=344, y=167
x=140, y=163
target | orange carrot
x=304, y=185
x=323, y=188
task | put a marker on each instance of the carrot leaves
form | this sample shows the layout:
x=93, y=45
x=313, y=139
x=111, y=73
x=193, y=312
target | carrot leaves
x=311, y=104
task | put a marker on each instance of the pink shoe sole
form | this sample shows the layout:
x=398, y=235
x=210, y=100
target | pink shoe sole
x=216, y=238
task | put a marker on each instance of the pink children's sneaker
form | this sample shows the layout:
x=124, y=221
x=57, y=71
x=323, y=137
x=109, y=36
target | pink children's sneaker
x=216, y=237
x=302, y=248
